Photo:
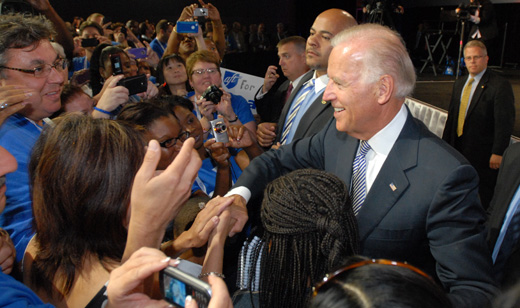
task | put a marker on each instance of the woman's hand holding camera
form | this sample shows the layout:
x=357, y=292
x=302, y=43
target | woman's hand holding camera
x=218, y=151
x=112, y=96
x=206, y=108
x=224, y=106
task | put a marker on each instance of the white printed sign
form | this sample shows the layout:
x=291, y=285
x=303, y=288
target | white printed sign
x=241, y=84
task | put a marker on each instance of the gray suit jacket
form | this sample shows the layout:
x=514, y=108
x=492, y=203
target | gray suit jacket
x=432, y=219
x=313, y=120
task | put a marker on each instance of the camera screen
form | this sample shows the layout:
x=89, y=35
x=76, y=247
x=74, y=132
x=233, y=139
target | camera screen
x=175, y=292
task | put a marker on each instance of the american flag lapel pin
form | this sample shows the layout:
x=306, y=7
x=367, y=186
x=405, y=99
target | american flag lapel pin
x=392, y=187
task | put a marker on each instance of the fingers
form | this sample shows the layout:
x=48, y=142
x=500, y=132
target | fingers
x=238, y=211
x=113, y=80
x=220, y=295
x=190, y=302
x=150, y=161
x=187, y=163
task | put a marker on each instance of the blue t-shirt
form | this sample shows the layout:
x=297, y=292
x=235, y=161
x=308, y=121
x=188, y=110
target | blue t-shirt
x=207, y=175
x=79, y=63
x=18, y=136
x=158, y=47
x=15, y=294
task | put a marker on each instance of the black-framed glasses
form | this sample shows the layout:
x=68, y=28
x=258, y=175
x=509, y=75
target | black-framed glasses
x=42, y=70
x=201, y=71
x=173, y=141
x=330, y=277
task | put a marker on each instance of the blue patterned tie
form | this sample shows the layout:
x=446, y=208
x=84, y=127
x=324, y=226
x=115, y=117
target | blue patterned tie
x=307, y=87
x=359, y=169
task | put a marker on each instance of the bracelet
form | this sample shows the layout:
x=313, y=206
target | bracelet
x=236, y=119
x=103, y=111
x=212, y=274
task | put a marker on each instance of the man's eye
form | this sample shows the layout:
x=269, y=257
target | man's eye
x=39, y=69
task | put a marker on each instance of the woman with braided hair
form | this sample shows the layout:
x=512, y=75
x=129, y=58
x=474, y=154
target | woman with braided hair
x=309, y=230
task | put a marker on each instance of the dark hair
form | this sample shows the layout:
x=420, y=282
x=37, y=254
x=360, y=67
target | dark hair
x=68, y=93
x=91, y=24
x=169, y=102
x=374, y=285
x=96, y=81
x=298, y=41
x=309, y=229
x=162, y=25
x=142, y=113
x=164, y=62
x=81, y=171
x=18, y=31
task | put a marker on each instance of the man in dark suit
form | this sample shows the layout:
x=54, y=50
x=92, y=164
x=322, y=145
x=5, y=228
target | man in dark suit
x=481, y=132
x=305, y=119
x=269, y=101
x=507, y=267
x=415, y=196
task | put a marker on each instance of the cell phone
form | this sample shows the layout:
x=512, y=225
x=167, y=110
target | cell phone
x=123, y=30
x=89, y=42
x=117, y=68
x=80, y=77
x=138, y=53
x=187, y=27
x=134, y=84
x=200, y=12
x=176, y=285
x=219, y=130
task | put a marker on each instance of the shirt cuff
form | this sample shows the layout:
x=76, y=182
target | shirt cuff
x=242, y=191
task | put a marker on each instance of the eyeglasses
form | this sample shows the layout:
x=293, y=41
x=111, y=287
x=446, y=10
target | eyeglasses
x=43, y=70
x=476, y=58
x=330, y=277
x=172, y=141
x=200, y=72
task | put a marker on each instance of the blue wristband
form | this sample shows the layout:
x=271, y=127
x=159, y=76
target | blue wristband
x=103, y=111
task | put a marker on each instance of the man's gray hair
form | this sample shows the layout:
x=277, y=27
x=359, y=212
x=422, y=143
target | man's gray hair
x=385, y=54
x=18, y=31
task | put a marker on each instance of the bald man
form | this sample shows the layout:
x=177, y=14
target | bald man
x=305, y=114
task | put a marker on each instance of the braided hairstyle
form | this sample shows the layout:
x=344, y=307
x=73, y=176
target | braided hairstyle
x=309, y=229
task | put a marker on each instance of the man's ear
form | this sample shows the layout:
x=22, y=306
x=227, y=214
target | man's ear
x=385, y=89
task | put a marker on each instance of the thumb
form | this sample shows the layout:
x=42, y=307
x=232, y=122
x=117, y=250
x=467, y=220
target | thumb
x=113, y=80
x=190, y=302
x=150, y=161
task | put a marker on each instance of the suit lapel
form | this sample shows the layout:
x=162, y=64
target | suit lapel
x=391, y=180
x=478, y=92
x=288, y=103
x=314, y=110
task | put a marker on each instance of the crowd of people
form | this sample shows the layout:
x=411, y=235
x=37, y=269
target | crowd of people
x=334, y=195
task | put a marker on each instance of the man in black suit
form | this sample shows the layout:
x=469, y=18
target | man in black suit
x=416, y=196
x=483, y=130
x=507, y=267
x=269, y=101
x=313, y=113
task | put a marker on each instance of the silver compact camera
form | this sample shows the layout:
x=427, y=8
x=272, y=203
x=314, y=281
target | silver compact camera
x=219, y=130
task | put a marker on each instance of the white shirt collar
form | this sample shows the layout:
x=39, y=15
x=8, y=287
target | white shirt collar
x=320, y=83
x=384, y=140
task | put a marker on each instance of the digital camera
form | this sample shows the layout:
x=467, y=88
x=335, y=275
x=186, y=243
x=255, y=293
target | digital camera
x=212, y=94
